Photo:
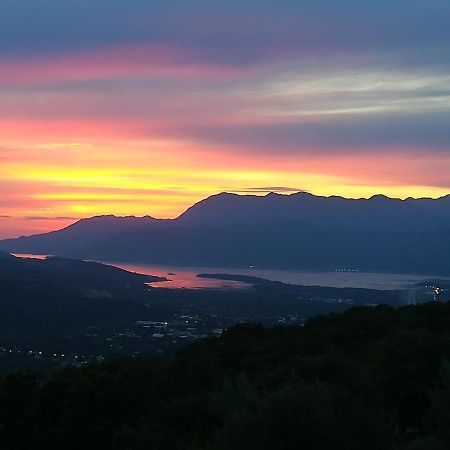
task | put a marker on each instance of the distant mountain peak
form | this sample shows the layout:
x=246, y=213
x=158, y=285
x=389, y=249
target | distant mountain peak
x=114, y=217
x=380, y=197
x=302, y=194
x=223, y=195
x=303, y=207
x=111, y=220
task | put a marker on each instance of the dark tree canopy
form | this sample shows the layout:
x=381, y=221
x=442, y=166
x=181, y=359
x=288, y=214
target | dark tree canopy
x=372, y=378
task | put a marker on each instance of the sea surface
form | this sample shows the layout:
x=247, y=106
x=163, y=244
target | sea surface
x=186, y=277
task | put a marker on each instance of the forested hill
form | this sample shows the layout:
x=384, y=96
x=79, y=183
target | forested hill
x=69, y=275
x=370, y=378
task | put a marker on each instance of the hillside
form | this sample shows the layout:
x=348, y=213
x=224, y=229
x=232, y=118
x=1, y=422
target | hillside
x=72, y=275
x=378, y=213
x=81, y=234
x=370, y=378
x=56, y=303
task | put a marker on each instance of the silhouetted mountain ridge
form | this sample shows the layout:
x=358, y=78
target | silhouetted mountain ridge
x=83, y=233
x=299, y=230
x=376, y=213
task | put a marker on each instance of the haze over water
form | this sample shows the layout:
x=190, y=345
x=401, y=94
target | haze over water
x=186, y=277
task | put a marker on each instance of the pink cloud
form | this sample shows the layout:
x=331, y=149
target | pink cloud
x=117, y=62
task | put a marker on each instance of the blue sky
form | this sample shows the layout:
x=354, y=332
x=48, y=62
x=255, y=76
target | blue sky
x=155, y=104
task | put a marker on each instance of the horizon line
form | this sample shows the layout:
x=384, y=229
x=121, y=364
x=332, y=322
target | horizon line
x=231, y=193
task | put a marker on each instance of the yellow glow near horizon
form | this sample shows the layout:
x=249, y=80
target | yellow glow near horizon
x=162, y=192
x=122, y=119
x=151, y=151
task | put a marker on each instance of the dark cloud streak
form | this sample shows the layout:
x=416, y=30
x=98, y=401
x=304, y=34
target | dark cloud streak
x=230, y=31
x=352, y=133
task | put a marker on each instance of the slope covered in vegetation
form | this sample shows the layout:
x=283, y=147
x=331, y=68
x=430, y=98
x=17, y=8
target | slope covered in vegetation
x=369, y=378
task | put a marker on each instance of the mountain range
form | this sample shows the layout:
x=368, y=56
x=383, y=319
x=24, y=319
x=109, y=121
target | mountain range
x=281, y=231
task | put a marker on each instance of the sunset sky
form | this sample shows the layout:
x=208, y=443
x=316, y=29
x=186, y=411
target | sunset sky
x=143, y=107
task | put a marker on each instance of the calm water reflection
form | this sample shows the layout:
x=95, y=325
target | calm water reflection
x=186, y=277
